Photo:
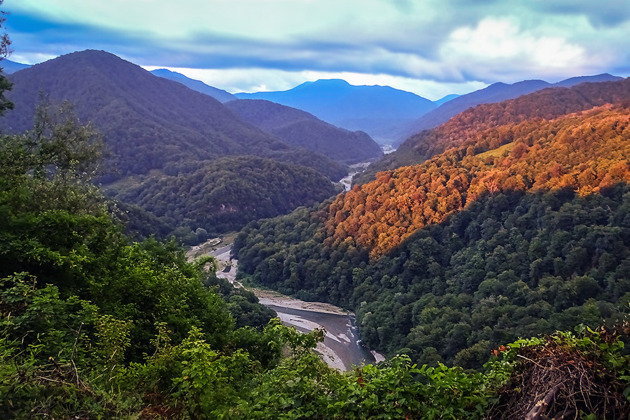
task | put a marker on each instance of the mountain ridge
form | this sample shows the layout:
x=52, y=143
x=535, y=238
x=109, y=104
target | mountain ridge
x=373, y=109
x=218, y=94
x=9, y=67
x=546, y=103
x=496, y=92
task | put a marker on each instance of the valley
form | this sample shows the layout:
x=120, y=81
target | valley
x=406, y=292
x=341, y=348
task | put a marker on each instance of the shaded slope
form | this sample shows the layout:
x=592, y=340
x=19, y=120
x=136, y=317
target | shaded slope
x=496, y=92
x=301, y=129
x=376, y=110
x=218, y=94
x=9, y=67
x=445, y=99
x=148, y=122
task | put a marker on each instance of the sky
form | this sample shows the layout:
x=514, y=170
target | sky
x=429, y=47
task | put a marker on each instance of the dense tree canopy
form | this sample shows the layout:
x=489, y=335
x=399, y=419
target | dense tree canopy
x=224, y=194
x=95, y=325
x=584, y=152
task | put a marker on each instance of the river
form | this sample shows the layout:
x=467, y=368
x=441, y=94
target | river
x=341, y=348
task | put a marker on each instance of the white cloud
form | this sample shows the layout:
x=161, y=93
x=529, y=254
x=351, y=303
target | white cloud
x=274, y=44
x=499, y=48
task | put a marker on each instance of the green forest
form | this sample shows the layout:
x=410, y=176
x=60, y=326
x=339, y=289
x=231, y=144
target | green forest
x=162, y=139
x=95, y=325
x=221, y=195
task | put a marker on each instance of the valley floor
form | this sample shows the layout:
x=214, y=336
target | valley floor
x=341, y=348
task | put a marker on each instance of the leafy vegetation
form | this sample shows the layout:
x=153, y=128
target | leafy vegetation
x=94, y=325
x=224, y=194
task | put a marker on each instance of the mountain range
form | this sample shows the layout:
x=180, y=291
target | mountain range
x=388, y=115
x=156, y=126
x=377, y=110
x=148, y=122
x=496, y=92
x=463, y=127
x=9, y=66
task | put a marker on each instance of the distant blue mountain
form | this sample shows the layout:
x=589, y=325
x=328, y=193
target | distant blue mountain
x=9, y=67
x=496, y=92
x=446, y=99
x=377, y=110
x=199, y=86
x=605, y=77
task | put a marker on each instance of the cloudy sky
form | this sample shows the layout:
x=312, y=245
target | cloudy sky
x=429, y=47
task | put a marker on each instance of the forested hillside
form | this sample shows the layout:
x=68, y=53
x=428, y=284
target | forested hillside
x=148, y=122
x=154, y=129
x=522, y=230
x=467, y=126
x=226, y=193
x=584, y=152
x=304, y=130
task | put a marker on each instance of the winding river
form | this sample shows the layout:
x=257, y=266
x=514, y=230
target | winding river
x=341, y=348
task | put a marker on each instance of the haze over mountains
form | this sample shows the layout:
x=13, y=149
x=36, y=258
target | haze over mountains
x=148, y=121
x=9, y=66
x=301, y=129
x=546, y=103
x=388, y=115
x=377, y=110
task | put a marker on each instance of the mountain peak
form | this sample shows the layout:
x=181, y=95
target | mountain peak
x=331, y=82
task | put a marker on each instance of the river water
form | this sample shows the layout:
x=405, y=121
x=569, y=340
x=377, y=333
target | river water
x=341, y=348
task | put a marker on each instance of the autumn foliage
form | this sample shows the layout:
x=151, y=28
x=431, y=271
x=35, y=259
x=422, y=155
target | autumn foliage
x=470, y=125
x=585, y=152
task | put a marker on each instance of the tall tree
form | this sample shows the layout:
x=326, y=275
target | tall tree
x=5, y=50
